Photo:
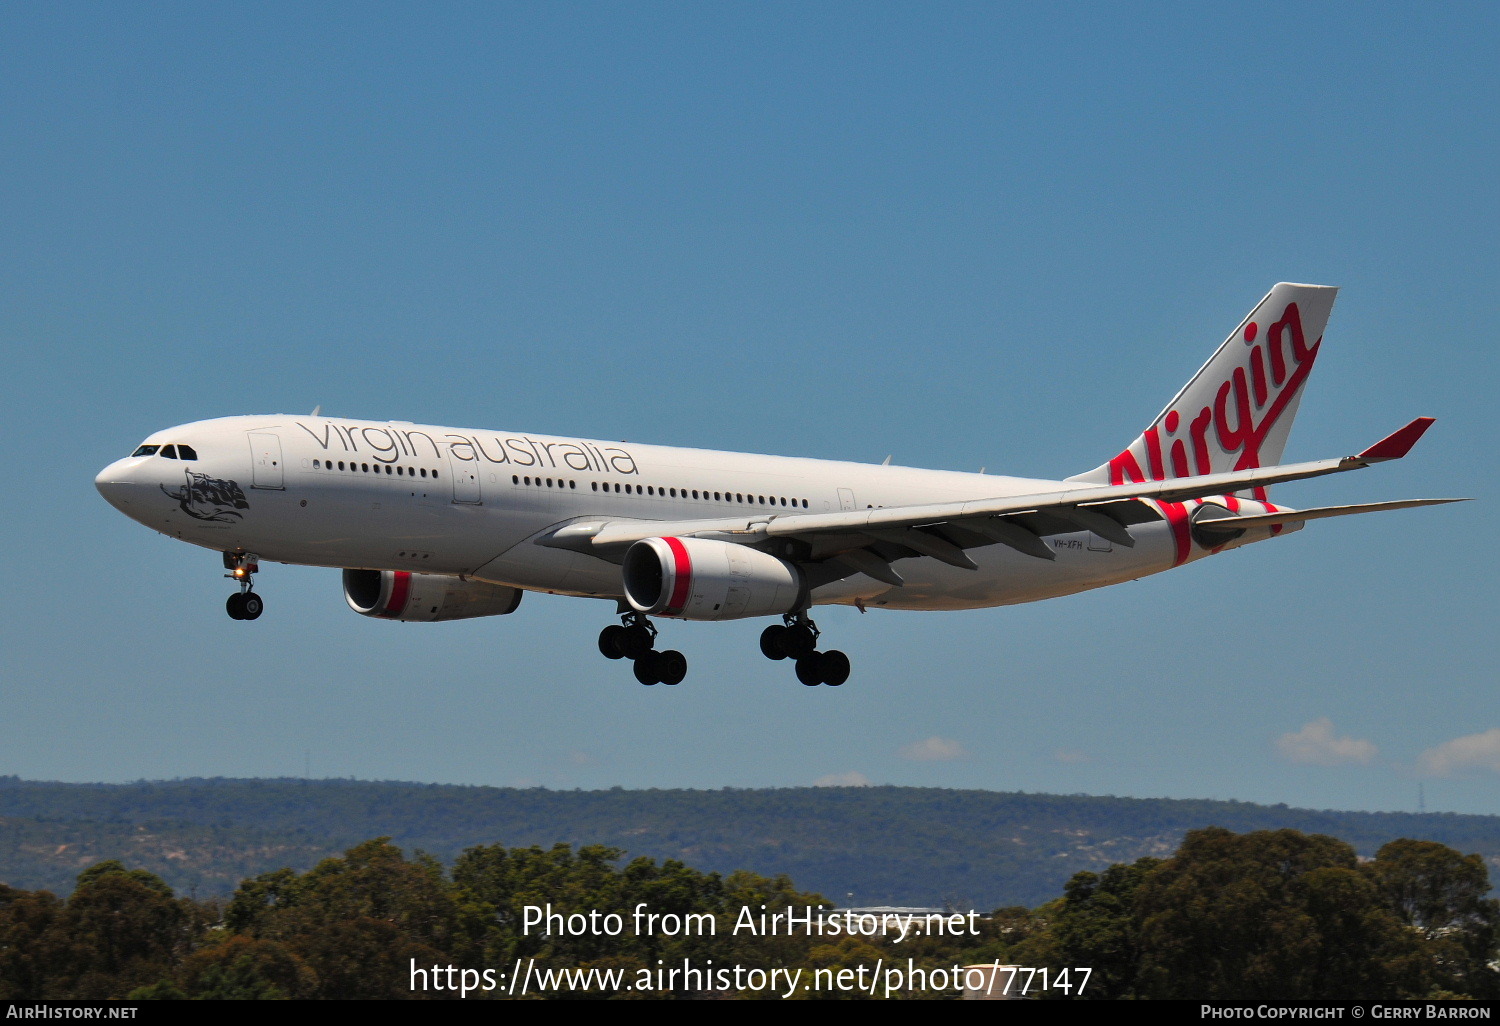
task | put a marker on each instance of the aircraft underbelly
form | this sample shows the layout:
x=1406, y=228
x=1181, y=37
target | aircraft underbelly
x=353, y=528
x=552, y=570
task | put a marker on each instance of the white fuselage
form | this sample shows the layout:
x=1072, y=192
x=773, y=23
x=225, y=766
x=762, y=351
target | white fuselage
x=394, y=496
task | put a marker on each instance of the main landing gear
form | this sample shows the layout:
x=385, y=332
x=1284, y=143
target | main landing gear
x=797, y=638
x=635, y=639
x=243, y=604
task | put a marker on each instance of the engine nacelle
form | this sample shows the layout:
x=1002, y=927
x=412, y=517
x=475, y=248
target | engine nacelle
x=699, y=579
x=402, y=595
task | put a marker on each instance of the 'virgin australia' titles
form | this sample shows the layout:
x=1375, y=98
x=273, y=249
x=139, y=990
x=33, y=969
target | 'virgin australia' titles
x=388, y=444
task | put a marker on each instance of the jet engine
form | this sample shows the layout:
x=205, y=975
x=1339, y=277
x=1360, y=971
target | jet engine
x=700, y=579
x=402, y=595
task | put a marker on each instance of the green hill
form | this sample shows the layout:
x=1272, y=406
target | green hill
x=859, y=845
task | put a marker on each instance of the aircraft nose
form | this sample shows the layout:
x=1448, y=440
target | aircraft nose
x=115, y=484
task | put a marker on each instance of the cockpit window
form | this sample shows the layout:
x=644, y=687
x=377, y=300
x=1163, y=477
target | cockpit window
x=171, y=452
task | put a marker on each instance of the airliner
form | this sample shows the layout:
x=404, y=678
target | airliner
x=436, y=523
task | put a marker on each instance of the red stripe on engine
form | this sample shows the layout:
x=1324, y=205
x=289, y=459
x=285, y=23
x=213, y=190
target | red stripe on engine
x=400, y=589
x=682, y=577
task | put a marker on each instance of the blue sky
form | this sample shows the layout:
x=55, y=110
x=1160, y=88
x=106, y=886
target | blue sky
x=961, y=234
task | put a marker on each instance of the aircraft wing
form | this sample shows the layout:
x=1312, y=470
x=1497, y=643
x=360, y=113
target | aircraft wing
x=867, y=541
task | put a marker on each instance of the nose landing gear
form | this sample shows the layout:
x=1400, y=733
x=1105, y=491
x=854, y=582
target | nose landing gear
x=796, y=638
x=635, y=639
x=243, y=604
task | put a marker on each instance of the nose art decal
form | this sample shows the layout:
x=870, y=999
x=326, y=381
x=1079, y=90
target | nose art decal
x=208, y=498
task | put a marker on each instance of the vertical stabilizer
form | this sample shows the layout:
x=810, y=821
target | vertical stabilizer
x=1237, y=411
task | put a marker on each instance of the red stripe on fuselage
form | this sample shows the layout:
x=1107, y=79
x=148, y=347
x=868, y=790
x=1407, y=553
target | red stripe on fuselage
x=1177, y=517
x=682, y=577
x=1271, y=507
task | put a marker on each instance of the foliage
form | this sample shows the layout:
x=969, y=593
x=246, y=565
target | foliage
x=1264, y=915
x=120, y=930
x=1278, y=915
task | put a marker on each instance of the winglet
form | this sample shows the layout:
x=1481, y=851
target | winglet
x=1398, y=444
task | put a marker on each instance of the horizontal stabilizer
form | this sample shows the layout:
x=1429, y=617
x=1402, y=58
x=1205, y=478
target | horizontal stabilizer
x=1230, y=525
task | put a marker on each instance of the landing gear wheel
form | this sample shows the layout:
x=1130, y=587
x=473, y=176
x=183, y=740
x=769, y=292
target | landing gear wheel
x=671, y=667
x=773, y=641
x=810, y=670
x=636, y=642
x=834, y=668
x=799, y=641
x=244, y=604
x=611, y=642
x=648, y=669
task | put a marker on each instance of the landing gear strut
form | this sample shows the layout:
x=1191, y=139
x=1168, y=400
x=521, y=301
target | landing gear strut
x=243, y=604
x=635, y=639
x=796, y=638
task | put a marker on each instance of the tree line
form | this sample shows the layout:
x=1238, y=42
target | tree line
x=1263, y=915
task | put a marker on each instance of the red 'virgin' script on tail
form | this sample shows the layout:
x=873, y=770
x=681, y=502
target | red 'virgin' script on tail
x=1233, y=427
x=1245, y=409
